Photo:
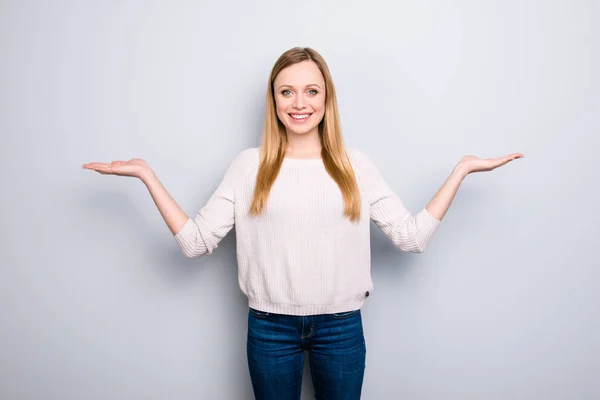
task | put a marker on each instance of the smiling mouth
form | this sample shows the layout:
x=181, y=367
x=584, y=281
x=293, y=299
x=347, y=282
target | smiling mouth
x=300, y=117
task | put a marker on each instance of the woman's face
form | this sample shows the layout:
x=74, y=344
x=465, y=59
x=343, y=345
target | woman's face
x=300, y=97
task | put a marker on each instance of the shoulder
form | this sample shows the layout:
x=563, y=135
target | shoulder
x=356, y=154
x=249, y=153
x=242, y=165
x=359, y=159
x=247, y=158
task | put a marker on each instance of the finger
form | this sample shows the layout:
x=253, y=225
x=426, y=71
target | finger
x=102, y=169
x=496, y=162
x=94, y=165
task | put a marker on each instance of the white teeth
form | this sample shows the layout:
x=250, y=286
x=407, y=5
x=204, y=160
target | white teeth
x=302, y=116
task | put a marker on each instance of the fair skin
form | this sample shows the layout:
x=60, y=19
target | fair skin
x=300, y=103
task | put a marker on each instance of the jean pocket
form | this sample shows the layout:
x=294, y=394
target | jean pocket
x=345, y=314
x=258, y=314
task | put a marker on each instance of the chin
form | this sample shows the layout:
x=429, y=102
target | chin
x=303, y=131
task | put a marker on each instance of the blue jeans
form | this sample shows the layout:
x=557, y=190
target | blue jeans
x=336, y=349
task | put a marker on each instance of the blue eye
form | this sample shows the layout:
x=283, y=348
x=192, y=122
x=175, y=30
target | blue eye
x=285, y=92
x=314, y=91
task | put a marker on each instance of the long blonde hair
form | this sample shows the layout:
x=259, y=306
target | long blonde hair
x=274, y=139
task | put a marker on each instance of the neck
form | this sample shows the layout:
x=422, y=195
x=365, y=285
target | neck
x=307, y=145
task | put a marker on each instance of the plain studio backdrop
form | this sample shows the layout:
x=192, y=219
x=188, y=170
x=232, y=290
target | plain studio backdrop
x=98, y=302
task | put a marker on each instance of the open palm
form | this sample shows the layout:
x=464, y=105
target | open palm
x=135, y=167
x=475, y=164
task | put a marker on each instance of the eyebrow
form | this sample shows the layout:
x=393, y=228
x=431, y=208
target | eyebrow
x=312, y=84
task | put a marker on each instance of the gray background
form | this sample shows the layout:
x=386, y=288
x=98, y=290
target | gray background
x=97, y=302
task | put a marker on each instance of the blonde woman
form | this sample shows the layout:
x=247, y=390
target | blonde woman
x=301, y=205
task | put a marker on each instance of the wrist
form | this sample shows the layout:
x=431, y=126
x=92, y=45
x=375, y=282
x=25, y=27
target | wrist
x=147, y=177
x=460, y=171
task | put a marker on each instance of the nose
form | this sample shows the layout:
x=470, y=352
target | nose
x=298, y=102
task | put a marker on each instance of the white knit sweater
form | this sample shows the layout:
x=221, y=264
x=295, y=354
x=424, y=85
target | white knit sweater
x=303, y=256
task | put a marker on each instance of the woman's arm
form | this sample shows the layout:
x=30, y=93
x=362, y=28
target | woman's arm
x=198, y=236
x=439, y=204
x=173, y=215
x=411, y=232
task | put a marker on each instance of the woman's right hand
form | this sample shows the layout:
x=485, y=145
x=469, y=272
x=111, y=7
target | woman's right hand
x=138, y=168
x=135, y=167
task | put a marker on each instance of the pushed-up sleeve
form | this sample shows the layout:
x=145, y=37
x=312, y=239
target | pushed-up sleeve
x=201, y=235
x=406, y=231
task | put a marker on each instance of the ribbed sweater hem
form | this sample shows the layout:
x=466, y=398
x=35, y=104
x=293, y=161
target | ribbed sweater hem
x=306, y=309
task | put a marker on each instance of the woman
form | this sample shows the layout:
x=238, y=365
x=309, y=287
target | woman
x=301, y=205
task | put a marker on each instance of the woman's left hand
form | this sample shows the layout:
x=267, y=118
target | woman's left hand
x=470, y=164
